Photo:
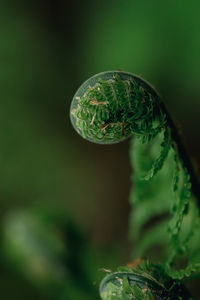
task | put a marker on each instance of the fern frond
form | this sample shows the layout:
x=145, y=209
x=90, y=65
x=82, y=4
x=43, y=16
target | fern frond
x=179, y=210
x=158, y=163
x=112, y=106
x=182, y=273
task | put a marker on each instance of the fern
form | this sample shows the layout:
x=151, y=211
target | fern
x=110, y=107
x=146, y=281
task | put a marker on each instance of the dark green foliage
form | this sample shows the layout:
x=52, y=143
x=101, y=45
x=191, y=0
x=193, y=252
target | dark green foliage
x=47, y=250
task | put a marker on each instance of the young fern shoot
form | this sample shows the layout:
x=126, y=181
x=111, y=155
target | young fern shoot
x=109, y=108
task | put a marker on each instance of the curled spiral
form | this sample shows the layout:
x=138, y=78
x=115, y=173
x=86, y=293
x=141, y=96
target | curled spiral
x=137, y=284
x=114, y=105
x=132, y=284
x=111, y=106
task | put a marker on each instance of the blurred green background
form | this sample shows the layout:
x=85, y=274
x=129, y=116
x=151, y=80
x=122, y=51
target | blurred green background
x=47, y=49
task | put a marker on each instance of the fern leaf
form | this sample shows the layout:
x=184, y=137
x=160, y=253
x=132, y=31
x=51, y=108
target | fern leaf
x=180, y=208
x=182, y=273
x=138, y=294
x=158, y=163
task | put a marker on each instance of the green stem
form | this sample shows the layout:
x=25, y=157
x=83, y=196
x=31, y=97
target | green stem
x=182, y=152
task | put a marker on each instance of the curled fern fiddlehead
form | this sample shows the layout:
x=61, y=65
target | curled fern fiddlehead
x=146, y=281
x=112, y=106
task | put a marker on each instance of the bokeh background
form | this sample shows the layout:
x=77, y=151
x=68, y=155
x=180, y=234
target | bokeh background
x=51, y=179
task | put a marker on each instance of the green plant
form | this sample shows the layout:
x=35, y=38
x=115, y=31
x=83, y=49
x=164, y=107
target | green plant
x=39, y=244
x=108, y=108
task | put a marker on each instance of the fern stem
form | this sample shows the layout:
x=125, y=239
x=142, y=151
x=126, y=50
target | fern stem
x=183, y=154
